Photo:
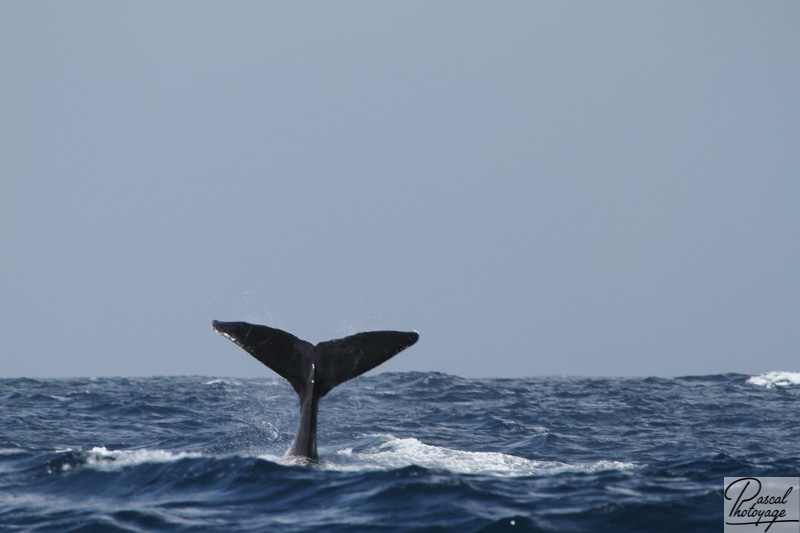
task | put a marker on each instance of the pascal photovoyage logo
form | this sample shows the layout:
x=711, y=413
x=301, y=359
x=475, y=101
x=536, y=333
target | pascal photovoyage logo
x=766, y=503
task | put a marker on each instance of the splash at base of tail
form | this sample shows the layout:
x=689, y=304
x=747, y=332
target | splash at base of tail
x=313, y=371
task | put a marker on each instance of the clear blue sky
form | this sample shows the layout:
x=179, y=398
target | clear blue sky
x=582, y=188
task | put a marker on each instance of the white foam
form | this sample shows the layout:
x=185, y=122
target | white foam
x=10, y=451
x=400, y=453
x=59, y=398
x=221, y=381
x=389, y=454
x=773, y=379
x=102, y=459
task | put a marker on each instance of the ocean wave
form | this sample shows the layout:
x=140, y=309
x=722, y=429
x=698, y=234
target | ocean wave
x=222, y=381
x=11, y=451
x=99, y=458
x=774, y=379
x=394, y=453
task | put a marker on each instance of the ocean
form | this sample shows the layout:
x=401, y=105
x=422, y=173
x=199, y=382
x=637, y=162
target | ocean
x=398, y=452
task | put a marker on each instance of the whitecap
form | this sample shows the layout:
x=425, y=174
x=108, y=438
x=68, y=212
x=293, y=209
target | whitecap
x=221, y=381
x=774, y=379
x=59, y=398
x=11, y=451
x=400, y=453
x=102, y=459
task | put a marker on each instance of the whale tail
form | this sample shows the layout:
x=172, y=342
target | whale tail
x=313, y=371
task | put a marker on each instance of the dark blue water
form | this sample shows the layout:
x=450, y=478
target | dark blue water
x=399, y=452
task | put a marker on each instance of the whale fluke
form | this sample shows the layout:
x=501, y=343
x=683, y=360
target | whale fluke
x=313, y=371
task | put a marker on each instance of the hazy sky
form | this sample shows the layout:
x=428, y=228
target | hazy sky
x=582, y=188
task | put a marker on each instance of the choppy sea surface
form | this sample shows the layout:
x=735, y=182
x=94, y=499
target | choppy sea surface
x=398, y=451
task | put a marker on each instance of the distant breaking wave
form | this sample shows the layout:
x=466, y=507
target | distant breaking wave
x=774, y=379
